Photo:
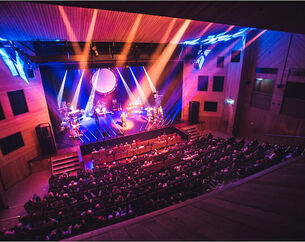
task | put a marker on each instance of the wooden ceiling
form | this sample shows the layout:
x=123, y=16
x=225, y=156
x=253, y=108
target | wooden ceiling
x=287, y=16
x=30, y=21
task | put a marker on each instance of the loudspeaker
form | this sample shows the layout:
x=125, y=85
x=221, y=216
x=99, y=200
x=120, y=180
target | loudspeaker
x=31, y=73
x=46, y=138
x=193, y=112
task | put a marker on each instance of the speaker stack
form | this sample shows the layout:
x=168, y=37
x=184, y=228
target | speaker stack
x=46, y=138
x=193, y=112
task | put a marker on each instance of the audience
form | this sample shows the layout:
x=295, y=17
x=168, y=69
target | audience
x=121, y=190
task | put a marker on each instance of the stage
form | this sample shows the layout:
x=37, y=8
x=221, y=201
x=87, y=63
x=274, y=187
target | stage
x=108, y=126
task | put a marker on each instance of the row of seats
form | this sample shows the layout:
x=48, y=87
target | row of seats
x=129, y=150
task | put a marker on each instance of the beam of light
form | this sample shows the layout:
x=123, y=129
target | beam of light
x=104, y=128
x=8, y=61
x=164, y=39
x=109, y=126
x=76, y=134
x=61, y=90
x=157, y=67
x=224, y=36
x=73, y=38
x=146, y=126
x=230, y=28
x=129, y=40
x=153, y=89
x=92, y=134
x=112, y=120
x=69, y=29
x=142, y=95
x=85, y=54
x=204, y=30
x=76, y=95
x=92, y=95
x=98, y=129
x=130, y=94
x=19, y=65
x=255, y=38
x=85, y=135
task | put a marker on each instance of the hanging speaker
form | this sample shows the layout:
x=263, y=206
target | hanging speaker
x=193, y=112
x=46, y=138
x=30, y=73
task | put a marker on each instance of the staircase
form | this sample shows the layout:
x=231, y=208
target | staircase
x=192, y=131
x=65, y=163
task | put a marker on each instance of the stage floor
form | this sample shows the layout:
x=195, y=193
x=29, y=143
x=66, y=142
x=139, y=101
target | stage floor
x=109, y=126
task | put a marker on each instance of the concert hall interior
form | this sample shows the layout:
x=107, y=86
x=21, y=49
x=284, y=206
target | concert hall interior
x=152, y=120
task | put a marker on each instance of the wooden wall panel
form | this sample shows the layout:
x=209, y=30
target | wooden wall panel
x=231, y=73
x=231, y=87
x=270, y=50
x=13, y=166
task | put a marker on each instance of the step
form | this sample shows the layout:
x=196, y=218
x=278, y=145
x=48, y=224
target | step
x=72, y=170
x=67, y=161
x=195, y=136
x=65, y=166
x=63, y=157
x=190, y=129
x=192, y=132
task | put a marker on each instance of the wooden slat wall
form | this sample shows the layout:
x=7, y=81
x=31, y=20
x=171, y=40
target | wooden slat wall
x=270, y=50
x=13, y=166
x=231, y=73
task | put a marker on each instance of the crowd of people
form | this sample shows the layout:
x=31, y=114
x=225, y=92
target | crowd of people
x=119, y=191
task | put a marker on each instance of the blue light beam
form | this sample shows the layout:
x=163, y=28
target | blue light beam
x=76, y=95
x=61, y=90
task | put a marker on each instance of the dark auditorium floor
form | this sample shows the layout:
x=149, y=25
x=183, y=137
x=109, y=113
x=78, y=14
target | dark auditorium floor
x=266, y=206
x=19, y=194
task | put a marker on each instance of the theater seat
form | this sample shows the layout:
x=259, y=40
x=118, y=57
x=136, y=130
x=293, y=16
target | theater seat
x=130, y=153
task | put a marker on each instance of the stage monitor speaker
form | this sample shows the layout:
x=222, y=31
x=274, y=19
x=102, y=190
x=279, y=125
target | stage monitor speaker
x=46, y=138
x=193, y=112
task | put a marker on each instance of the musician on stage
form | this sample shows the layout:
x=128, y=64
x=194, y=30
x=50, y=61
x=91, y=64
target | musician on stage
x=95, y=115
x=154, y=113
x=149, y=114
x=160, y=112
x=123, y=119
x=75, y=126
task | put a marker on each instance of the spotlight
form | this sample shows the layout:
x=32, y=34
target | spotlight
x=95, y=50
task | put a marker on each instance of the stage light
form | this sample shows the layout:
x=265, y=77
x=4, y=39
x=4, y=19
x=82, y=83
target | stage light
x=95, y=50
x=20, y=67
x=61, y=90
x=212, y=39
x=8, y=61
x=76, y=95
x=229, y=101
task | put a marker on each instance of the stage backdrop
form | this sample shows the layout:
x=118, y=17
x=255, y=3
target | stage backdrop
x=113, y=83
